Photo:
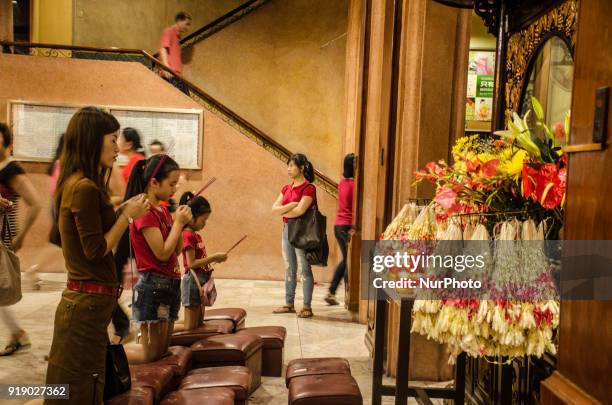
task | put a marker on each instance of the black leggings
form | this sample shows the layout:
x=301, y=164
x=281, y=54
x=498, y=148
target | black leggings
x=342, y=236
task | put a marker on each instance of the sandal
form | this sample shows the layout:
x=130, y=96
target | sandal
x=14, y=347
x=285, y=309
x=305, y=313
x=331, y=299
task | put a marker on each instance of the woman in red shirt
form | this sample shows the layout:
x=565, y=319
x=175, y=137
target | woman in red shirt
x=344, y=223
x=292, y=202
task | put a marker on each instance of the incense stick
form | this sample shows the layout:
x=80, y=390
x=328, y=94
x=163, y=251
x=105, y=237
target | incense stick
x=236, y=244
x=204, y=187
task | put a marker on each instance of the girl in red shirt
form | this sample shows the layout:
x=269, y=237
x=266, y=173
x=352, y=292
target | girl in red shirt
x=156, y=240
x=195, y=257
x=293, y=201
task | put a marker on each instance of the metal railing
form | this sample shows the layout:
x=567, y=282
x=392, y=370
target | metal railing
x=200, y=96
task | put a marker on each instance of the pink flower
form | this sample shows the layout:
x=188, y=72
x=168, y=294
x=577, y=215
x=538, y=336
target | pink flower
x=489, y=169
x=447, y=199
x=558, y=130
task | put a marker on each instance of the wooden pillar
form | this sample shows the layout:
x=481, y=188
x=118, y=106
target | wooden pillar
x=585, y=344
x=6, y=20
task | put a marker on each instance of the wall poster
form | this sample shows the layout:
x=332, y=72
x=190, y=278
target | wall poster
x=480, y=84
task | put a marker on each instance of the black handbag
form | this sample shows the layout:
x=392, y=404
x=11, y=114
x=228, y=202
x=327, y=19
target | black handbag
x=319, y=255
x=117, y=377
x=307, y=231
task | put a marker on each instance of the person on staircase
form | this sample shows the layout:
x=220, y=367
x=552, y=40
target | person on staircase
x=292, y=202
x=195, y=258
x=170, y=49
x=344, y=223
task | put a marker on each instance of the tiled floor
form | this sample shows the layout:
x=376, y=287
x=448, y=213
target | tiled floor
x=329, y=333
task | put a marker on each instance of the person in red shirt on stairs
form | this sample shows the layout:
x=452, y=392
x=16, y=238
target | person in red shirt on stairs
x=170, y=49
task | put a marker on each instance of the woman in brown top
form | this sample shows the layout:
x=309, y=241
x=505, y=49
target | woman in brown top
x=89, y=229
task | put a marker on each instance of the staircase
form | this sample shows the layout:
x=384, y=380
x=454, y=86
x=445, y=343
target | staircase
x=151, y=62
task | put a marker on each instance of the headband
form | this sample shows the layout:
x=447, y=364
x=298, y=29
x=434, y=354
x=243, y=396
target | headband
x=158, y=167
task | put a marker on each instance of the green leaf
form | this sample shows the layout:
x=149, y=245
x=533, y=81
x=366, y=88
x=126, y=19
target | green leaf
x=537, y=108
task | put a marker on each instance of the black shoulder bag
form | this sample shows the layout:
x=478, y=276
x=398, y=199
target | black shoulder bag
x=307, y=231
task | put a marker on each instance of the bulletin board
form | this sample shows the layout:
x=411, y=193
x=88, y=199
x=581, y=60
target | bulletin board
x=37, y=128
x=480, y=85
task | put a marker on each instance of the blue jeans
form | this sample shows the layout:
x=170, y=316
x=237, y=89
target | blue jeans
x=293, y=258
x=156, y=298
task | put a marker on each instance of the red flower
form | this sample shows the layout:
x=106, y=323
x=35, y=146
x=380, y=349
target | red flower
x=447, y=199
x=559, y=130
x=529, y=181
x=472, y=165
x=546, y=185
x=489, y=169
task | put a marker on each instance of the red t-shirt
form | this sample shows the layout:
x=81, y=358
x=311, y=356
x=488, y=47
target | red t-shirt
x=193, y=240
x=157, y=217
x=170, y=40
x=127, y=170
x=344, y=215
x=295, y=194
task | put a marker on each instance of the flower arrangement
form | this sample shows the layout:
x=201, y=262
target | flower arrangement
x=522, y=169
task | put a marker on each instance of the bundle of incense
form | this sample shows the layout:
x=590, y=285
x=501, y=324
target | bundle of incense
x=236, y=244
x=204, y=187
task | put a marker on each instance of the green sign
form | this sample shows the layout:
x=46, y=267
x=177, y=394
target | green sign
x=484, y=86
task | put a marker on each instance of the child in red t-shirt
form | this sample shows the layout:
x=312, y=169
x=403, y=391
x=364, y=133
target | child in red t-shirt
x=195, y=257
x=156, y=241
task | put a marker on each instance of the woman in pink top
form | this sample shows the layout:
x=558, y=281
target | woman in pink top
x=344, y=223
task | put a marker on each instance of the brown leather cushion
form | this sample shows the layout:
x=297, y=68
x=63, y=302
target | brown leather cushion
x=316, y=366
x=135, y=396
x=328, y=389
x=236, y=315
x=208, y=396
x=152, y=375
x=273, y=336
x=210, y=328
x=180, y=360
x=238, y=378
x=225, y=349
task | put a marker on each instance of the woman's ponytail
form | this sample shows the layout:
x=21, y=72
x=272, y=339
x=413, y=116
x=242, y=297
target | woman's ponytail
x=309, y=171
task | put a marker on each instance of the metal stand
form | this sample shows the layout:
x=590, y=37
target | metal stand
x=401, y=390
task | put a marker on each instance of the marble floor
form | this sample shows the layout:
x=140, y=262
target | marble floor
x=330, y=333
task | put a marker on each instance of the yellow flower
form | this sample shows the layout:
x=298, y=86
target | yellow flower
x=513, y=167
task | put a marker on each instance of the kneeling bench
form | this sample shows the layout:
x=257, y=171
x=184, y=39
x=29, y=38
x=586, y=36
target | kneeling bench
x=230, y=350
x=236, y=378
x=158, y=377
x=236, y=315
x=180, y=360
x=326, y=389
x=273, y=338
x=210, y=328
x=316, y=366
x=208, y=396
x=135, y=396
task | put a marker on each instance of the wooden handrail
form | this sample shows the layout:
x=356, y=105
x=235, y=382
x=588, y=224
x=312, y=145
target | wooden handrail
x=266, y=139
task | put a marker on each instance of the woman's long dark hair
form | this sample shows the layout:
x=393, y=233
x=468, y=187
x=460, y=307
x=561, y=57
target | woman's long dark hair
x=146, y=170
x=132, y=135
x=58, y=154
x=349, y=166
x=83, y=142
x=301, y=161
x=199, y=205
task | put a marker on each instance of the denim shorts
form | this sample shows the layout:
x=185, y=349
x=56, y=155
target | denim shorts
x=156, y=298
x=190, y=296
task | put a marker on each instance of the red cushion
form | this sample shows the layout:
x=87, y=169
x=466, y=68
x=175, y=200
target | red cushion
x=236, y=315
x=328, y=389
x=210, y=328
x=179, y=359
x=208, y=396
x=273, y=336
x=316, y=366
x=226, y=349
x=152, y=375
x=135, y=396
x=237, y=378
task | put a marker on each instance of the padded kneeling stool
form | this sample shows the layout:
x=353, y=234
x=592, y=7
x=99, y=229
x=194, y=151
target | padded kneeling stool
x=236, y=315
x=273, y=346
x=158, y=377
x=326, y=389
x=316, y=366
x=180, y=360
x=237, y=378
x=210, y=328
x=208, y=396
x=135, y=396
x=230, y=350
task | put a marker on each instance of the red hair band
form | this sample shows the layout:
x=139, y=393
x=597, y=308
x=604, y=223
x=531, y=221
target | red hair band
x=162, y=159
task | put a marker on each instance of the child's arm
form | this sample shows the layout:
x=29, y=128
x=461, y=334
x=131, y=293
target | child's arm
x=194, y=263
x=164, y=249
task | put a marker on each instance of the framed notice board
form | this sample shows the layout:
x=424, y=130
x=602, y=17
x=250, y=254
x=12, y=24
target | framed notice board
x=479, y=102
x=38, y=126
